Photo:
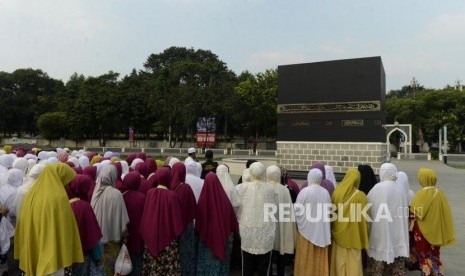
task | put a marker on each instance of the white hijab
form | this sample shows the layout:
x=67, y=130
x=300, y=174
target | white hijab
x=173, y=160
x=402, y=179
x=8, y=191
x=108, y=205
x=84, y=161
x=23, y=189
x=229, y=188
x=21, y=164
x=135, y=162
x=124, y=168
x=74, y=160
x=388, y=239
x=193, y=179
x=312, y=211
x=285, y=230
x=329, y=173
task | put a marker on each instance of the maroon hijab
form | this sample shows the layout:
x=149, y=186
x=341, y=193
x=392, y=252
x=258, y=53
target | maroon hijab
x=147, y=184
x=79, y=187
x=142, y=169
x=185, y=193
x=92, y=172
x=78, y=170
x=131, y=158
x=141, y=155
x=161, y=221
x=135, y=202
x=215, y=219
x=151, y=166
x=89, y=229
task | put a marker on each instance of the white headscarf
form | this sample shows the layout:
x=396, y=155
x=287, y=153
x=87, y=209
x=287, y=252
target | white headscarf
x=30, y=156
x=74, y=153
x=74, y=160
x=31, y=163
x=389, y=239
x=285, y=230
x=33, y=174
x=135, y=162
x=3, y=175
x=108, y=205
x=124, y=168
x=387, y=171
x=257, y=171
x=402, y=179
x=228, y=185
x=193, y=179
x=246, y=176
x=108, y=154
x=8, y=191
x=6, y=161
x=53, y=160
x=83, y=161
x=312, y=211
x=22, y=164
x=329, y=173
x=51, y=154
x=173, y=160
x=43, y=155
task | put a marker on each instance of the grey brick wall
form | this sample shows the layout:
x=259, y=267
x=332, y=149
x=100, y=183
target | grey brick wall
x=298, y=156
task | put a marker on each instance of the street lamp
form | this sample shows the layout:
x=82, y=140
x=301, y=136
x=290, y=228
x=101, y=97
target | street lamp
x=414, y=83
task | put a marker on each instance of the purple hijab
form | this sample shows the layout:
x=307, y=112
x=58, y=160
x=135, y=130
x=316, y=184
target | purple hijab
x=325, y=183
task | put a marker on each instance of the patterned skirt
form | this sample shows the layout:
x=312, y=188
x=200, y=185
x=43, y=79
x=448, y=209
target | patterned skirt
x=424, y=256
x=309, y=258
x=207, y=264
x=166, y=263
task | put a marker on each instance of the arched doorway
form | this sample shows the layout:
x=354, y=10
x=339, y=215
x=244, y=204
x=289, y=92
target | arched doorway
x=406, y=136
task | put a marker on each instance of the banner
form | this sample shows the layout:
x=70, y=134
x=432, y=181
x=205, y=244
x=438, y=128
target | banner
x=205, y=139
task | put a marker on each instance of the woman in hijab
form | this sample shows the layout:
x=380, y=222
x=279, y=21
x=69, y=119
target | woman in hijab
x=8, y=192
x=89, y=229
x=330, y=175
x=284, y=239
x=433, y=225
x=83, y=161
x=290, y=184
x=112, y=216
x=187, y=243
x=229, y=188
x=350, y=236
x=151, y=165
x=92, y=172
x=47, y=237
x=247, y=166
x=402, y=179
x=325, y=183
x=257, y=232
x=23, y=189
x=314, y=236
x=215, y=223
x=135, y=202
x=367, y=178
x=193, y=179
x=161, y=226
x=389, y=239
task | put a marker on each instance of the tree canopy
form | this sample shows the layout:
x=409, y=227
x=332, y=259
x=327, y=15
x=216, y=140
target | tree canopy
x=174, y=88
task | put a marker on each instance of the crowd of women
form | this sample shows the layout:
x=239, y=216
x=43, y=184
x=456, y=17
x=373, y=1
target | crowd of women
x=71, y=211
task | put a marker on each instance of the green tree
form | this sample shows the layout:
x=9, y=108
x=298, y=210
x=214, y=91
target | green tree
x=53, y=125
x=257, y=99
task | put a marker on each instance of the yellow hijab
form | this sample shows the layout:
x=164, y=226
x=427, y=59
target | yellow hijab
x=115, y=159
x=432, y=211
x=7, y=148
x=350, y=234
x=95, y=159
x=47, y=237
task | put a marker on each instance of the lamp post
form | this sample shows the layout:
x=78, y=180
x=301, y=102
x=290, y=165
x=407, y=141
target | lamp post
x=445, y=144
x=414, y=83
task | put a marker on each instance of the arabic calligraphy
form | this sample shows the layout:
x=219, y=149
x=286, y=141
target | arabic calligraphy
x=363, y=106
x=351, y=122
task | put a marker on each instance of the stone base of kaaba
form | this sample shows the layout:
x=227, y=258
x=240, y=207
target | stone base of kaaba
x=298, y=156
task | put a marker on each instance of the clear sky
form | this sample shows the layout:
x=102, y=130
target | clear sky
x=424, y=39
